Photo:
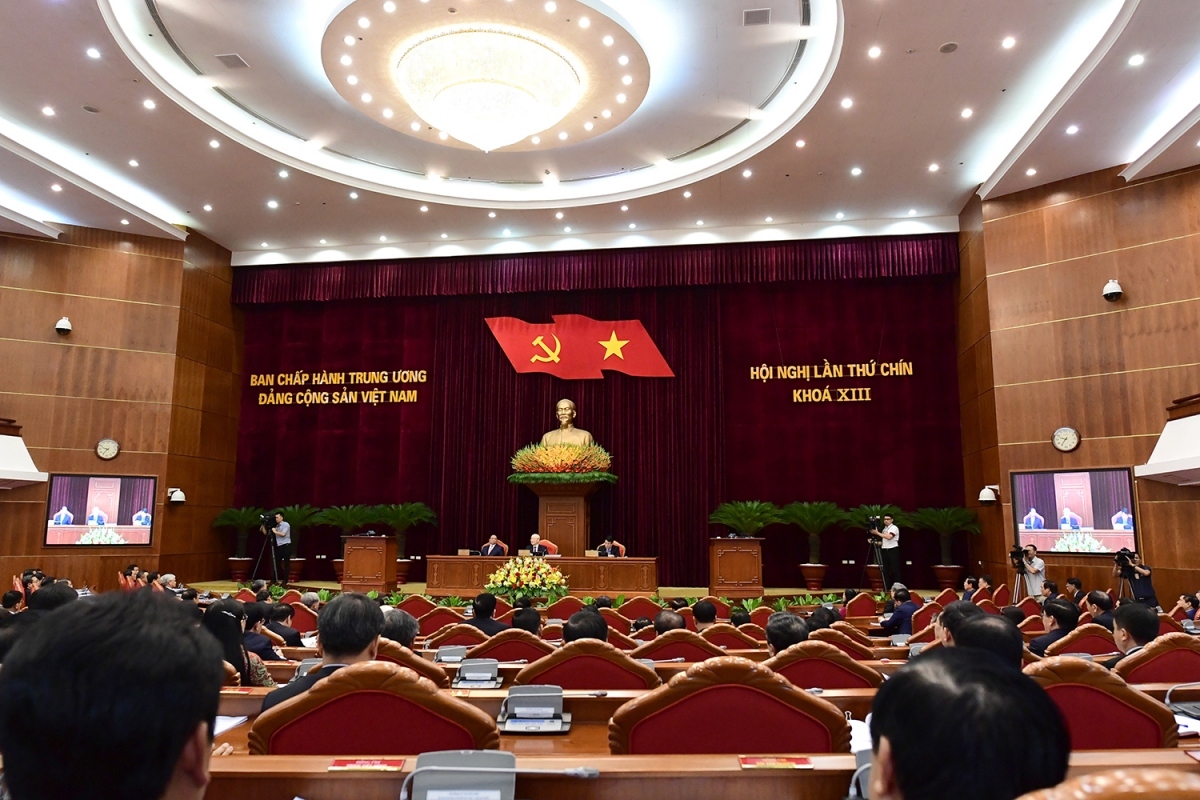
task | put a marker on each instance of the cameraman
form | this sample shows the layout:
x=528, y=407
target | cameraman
x=283, y=547
x=1128, y=565
x=1035, y=571
x=889, y=549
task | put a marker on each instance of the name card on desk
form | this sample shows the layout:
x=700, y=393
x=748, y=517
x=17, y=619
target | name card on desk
x=773, y=762
x=238, y=690
x=367, y=765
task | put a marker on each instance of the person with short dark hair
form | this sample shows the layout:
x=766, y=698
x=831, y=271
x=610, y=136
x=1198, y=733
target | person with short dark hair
x=279, y=622
x=610, y=549
x=1049, y=590
x=74, y=699
x=585, y=625
x=189, y=595
x=970, y=586
x=1134, y=626
x=14, y=626
x=54, y=596
x=226, y=621
x=349, y=632
x=1013, y=614
x=1189, y=604
x=821, y=617
x=705, y=614
x=263, y=596
x=784, y=630
x=1006, y=735
x=641, y=622
x=603, y=601
x=677, y=603
x=400, y=626
x=11, y=600
x=1075, y=591
x=528, y=619
x=901, y=620
x=1100, y=606
x=667, y=620
x=993, y=634
x=522, y=602
x=1140, y=582
x=947, y=622
x=985, y=582
x=483, y=607
x=1060, y=618
x=739, y=617
x=253, y=638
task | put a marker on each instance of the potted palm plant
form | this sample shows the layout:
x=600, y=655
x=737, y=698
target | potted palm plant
x=299, y=517
x=859, y=519
x=242, y=521
x=745, y=518
x=946, y=522
x=346, y=519
x=400, y=517
x=814, y=519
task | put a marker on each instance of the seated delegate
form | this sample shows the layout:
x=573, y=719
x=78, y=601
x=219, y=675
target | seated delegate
x=610, y=548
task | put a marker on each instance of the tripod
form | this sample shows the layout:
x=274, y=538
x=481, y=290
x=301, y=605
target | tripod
x=1018, y=587
x=268, y=544
x=874, y=556
x=1124, y=588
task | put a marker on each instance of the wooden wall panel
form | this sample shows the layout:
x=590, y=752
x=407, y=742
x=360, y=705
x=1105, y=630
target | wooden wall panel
x=1061, y=355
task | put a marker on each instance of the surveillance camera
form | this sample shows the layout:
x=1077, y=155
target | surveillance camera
x=63, y=326
x=1112, y=291
x=176, y=496
x=989, y=494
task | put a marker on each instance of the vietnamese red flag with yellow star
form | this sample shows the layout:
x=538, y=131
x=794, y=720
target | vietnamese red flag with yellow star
x=575, y=347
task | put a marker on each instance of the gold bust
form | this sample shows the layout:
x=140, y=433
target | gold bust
x=567, y=433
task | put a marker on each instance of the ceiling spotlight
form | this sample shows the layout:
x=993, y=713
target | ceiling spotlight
x=207, y=207
x=632, y=225
x=383, y=238
x=346, y=61
x=567, y=229
x=847, y=102
x=150, y=104
x=389, y=6
x=352, y=80
x=445, y=236
x=933, y=167
x=584, y=22
x=133, y=162
x=416, y=126
x=839, y=215
x=551, y=7
x=1137, y=60
x=492, y=214
x=606, y=113
x=624, y=208
x=587, y=126
x=562, y=135
x=507, y=232
x=559, y=215
x=283, y=173
x=1031, y=172
x=699, y=222
x=1072, y=130
x=966, y=112
x=912, y=212
x=354, y=195
x=799, y=143
x=874, y=52
x=856, y=171
x=363, y=22
x=536, y=140
x=321, y=241
x=769, y=219
x=387, y=112
x=746, y=173
x=1008, y=43
x=55, y=188
x=214, y=144
x=264, y=244
x=93, y=52
x=272, y=204
x=623, y=60
x=48, y=111
x=687, y=195
x=366, y=97
x=349, y=40
x=124, y=222
x=608, y=41
x=627, y=79
x=621, y=98
x=443, y=135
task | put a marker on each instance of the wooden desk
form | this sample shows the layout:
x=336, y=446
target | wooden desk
x=465, y=576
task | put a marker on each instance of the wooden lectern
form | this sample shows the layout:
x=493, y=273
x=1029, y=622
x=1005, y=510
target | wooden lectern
x=735, y=568
x=563, y=515
x=370, y=564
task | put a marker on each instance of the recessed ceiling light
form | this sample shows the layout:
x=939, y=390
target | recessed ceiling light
x=1137, y=60
x=443, y=135
x=207, y=207
x=966, y=112
x=769, y=219
x=608, y=41
x=1008, y=42
x=912, y=212
x=264, y=244
x=383, y=238
x=352, y=80
x=346, y=61
x=627, y=79
x=847, y=102
x=124, y=222
x=551, y=7
x=321, y=241
x=632, y=225
x=133, y=162
x=416, y=126
x=387, y=112
x=621, y=98
x=562, y=135
x=1031, y=172
x=349, y=40
x=93, y=52
x=933, y=167
x=687, y=194
x=354, y=195
x=507, y=232
x=492, y=214
x=624, y=208
x=214, y=144
x=424, y=209
x=1072, y=130
x=699, y=222
x=363, y=22
x=746, y=173
x=856, y=171
x=389, y=6
x=559, y=215
x=150, y=104
x=56, y=188
x=567, y=229
x=366, y=97
x=272, y=204
x=584, y=22
x=587, y=126
x=283, y=173
x=799, y=143
x=874, y=52
x=445, y=236
x=535, y=140
x=839, y=215
x=48, y=111
x=606, y=113
x=623, y=60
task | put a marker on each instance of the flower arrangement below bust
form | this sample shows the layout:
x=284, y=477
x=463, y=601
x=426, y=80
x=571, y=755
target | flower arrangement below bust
x=562, y=463
x=527, y=576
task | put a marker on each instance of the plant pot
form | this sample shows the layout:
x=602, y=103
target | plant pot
x=339, y=564
x=239, y=568
x=295, y=567
x=875, y=576
x=402, y=567
x=947, y=575
x=814, y=576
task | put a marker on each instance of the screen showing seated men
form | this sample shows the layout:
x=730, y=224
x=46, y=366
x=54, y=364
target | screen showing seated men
x=100, y=510
x=1075, y=512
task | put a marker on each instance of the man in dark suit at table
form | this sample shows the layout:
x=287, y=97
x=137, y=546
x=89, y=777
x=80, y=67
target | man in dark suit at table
x=901, y=619
x=1100, y=606
x=349, y=629
x=1060, y=618
x=536, y=548
x=253, y=639
x=1134, y=626
x=280, y=623
x=483, y=608
x=492, y=548
x=609, y=549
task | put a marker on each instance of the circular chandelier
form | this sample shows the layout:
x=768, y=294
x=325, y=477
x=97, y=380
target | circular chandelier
x=489, y=86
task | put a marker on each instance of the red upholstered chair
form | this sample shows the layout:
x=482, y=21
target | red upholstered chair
x=563, y=608
x=688, y=645
x=981, y=594
x=923, y=616
x=930, y=645
x=689, y=618
x=616, y=621
x=1032, y=624
x=814, y=664
x=1120, y=784
x=946, y=597
x=756, y=710
x=437, y=619
x=502, y=606
x=1090, y=638
x=861, y=605
x=304, y=620
x=623, y=642
x=1102, y=712
x=842, y=642
x=456, y=635
x=244, y=595
x=760, y=615
x=1173, y=658
x=640, y=607
x=1178, y=614
x=416, y=605
x=289, y=597
x=1113, y=596
x=1029, y=657
x=1031, y=607
x=756, y=632
x=551, y=547
x=1166, y=624
x=987, y=605
x=513, y=644
x=506, y=617
x=396, y=653
x=503, y=546
x=725, y=635
x=856, y=634
x=923, y=636
x=372, y=708
x=916, y=598
x=232, y=676
x=588, y=664
x=1002, y=596
x=723, y=609
x=1084, y=618
x=646, y=634
x=552, y=633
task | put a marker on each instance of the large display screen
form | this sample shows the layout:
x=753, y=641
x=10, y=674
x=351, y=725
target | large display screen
x=1075, y=512
x=100, y=510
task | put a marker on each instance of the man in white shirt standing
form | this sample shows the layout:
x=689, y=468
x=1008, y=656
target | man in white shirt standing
x=283, y=546
x=1035, y=571
x=889, y=551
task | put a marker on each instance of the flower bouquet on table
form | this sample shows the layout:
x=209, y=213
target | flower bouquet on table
x=562, y=463
x=527, y=576
x=101, y=535
x=1078, y=542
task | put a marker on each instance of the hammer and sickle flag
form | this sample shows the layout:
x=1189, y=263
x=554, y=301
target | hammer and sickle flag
x=575, y=347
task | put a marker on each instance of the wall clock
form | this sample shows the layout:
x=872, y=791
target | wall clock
x=107, y=449
x=1065, y=439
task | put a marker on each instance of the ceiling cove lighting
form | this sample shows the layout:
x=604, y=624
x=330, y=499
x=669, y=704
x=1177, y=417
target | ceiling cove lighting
x=489, y=85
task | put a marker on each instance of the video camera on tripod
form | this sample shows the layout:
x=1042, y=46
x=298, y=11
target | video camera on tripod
x=874, y=525
x=1017, y=557
x=1124, y=559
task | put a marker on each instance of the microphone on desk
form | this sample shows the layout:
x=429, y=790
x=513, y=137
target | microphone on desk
x=572, y=772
